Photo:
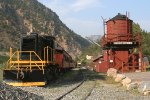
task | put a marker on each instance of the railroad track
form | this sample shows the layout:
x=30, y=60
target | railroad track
x=62, y=96
x=79, y=87
x=82, y=91
x=90, y=91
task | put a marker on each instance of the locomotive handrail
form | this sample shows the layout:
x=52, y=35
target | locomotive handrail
x=19, y=63
x=30, y=63
x=10, y=59
x=118, y=36
x=124, y=64
x=47, y=53
x=121, y=38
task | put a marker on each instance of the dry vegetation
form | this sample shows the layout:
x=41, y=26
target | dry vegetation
x=1, y=75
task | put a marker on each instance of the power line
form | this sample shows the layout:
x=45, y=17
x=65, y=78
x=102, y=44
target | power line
x=92, y=41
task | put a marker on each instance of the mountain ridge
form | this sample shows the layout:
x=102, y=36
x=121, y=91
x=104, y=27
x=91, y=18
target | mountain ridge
x=20, y=16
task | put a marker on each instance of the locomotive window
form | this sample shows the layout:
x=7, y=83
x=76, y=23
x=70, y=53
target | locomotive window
x=28, y=44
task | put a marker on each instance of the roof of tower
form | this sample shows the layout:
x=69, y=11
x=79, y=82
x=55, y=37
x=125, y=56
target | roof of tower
x=119, y=17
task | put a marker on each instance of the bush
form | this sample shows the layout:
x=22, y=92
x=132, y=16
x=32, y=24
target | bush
x=3, y=59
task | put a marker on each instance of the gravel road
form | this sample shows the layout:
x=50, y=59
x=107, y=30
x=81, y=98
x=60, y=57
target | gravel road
x=105, y=91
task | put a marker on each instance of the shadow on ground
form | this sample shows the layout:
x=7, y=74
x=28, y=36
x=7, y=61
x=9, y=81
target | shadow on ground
x=75, y=76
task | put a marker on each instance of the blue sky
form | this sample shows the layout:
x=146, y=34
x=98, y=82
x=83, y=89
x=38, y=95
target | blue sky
x=84, y=16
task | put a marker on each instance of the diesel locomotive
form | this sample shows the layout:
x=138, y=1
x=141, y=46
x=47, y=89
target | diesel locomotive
x=39, y=60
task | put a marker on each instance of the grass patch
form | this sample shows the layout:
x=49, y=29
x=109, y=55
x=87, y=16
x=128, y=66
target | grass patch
x=110, y=80
x=148, y=68
x=65, y=79
x=1, y=75
x=135, y=91
x=69, y=75
x=3, y=59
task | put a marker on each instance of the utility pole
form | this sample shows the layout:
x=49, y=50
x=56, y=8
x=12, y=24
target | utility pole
x=103, y=25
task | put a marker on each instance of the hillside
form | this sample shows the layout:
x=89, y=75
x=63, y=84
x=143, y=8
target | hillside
x=19, y=16
x=94, y=38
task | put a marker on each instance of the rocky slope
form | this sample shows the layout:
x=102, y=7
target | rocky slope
x=19, y=16
x=94, y=38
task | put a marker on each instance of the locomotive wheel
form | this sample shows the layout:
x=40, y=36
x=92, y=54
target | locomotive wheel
x=48, y=76
x=51, y=73
x=55, y=71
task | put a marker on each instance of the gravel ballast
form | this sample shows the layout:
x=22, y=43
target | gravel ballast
x=95, y=83
x=12, y=93
x=104, y=91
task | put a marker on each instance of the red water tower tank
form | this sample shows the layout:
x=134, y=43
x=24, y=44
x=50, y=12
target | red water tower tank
x=120, y=25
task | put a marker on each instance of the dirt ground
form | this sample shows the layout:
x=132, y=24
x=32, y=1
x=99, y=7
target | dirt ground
x=139, y=76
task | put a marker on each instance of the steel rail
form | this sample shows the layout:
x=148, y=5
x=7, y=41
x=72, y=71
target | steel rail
x=89, y=93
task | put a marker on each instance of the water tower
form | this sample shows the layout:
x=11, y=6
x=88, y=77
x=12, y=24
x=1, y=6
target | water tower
x=122, y=49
